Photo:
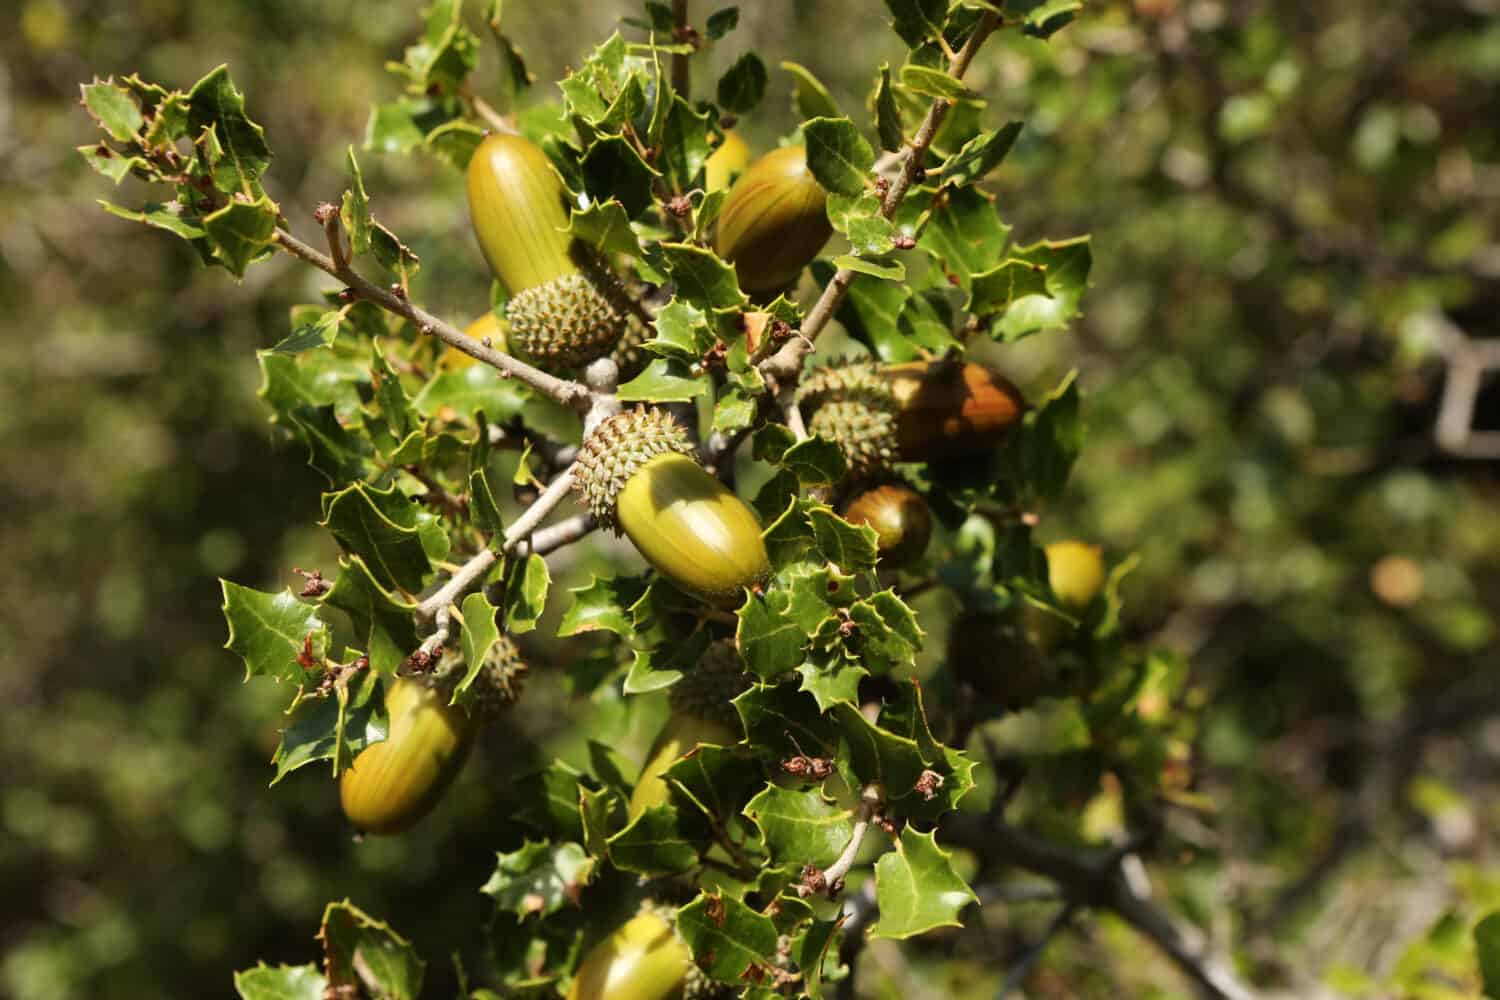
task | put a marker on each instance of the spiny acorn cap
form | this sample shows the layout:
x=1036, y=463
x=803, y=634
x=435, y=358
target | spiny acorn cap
x=630, y=355
x=852, y=405
x=706, y=690
x=569, y=321
x=618, y=449
x=495, y=688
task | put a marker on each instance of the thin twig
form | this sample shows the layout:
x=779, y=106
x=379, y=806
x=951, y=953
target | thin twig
x=484, y=109
x=464, y=578
x=786, y=363
x=569, y=393
x=555, y=536
x=682, y=79
x=1028, y=961
x=545, y=504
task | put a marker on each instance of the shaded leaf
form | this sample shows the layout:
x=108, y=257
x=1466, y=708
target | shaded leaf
x=539, y=879
x=359, y=949
x=727, y=937
x=837, y=155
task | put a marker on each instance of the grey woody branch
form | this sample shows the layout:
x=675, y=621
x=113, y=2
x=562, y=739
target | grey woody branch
x=569, y=393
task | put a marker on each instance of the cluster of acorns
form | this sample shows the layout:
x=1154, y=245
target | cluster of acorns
x=638, y=474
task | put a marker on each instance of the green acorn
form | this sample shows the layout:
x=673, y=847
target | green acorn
x=921, y=411
x=900, y=517
x=1075, y=573
x=701, y=713
x=726, y=162
x=638, y=476
x=396, y=782
x=643, y=959
x=774, y=221
x=564, y=310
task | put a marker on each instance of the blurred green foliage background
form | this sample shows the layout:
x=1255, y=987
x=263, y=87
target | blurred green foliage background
x=1294, y=207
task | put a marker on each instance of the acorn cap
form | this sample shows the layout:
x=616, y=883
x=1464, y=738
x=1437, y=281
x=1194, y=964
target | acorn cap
x=852, y=404
x=495, y=688
x=618, y=449
x=706, y=691
x=569, y=321
x=629, y=354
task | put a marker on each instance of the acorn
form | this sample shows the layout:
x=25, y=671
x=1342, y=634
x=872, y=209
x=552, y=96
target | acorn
x=701, y=713
x=396, y=782
x=774, y=221
x=1075, y=573
x=643, y=959
x=992, y=654
x=949, y=409
x=565, y=309
x=489, y=325
x=901, y=519
x=638, y=476
x=920, y=411
x=725, y=163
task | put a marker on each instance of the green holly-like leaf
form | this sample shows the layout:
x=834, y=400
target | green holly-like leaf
x=859, y=219
x=358, y=949
x=241, y=232
x=894, y=271
x=355, y=212
x=216, y=104
x=812, y=98
x=382, y=623
x=800, y=826
x=392, y=128
x=917, y=889
x=815, y=461
x=780, y=719
x=917, y=21
x=280, y=982
x=1487, y=945
x=591, y=89
x=964, y=235
x=276, y=635
x=312, y=328
x=333, y=727
x=526, y=594
x=685, y=145
x=604, y=226
x=769, y=639
x=743, y=85
x=114, y=108
x=455, y=142
x=515, y=64
x=849, y=546
x=727, y=937
x=393, y=255
x=878, y=756
x=474, y=387
x=663, y=664
x=716, y=779
x=1044, y=18
x=1007, y=283
x=722, y=22
x=981, y=154
x=547, y=801
x=887, y=636
x=315, y=379
x=682, y=332
x=602, y=605
x=664, y=381
x=341, y=455
x=702, y=279
x=810, y=951
x=447, y=52
x=477, y=636
x=1066, y=273
x=108, y=163
x=612, y=168
x=381, y=527
x=662, y=840
x=831, y=677
x=483, y=508
x=540, y=878
x=594, y=809
x=887, y=114
x=931, y=82
x=838, y=156
x=1042, y=455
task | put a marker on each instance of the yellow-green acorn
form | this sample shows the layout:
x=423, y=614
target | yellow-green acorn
x=396, y=782
x=920, y=411
x=489, y=325
x=774, y=221
x=901, y=519
x=393, y=784
x=1075, y=573
x=638, y=476
x=564, y=309
x=726, y=162
x=701, y=713
x=643, y=959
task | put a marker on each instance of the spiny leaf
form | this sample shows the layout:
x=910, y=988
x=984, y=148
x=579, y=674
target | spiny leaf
x=917, y=889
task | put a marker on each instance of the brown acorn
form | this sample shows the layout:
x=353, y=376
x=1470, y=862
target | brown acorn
x=992, y=654
x=901, y=519
x=565, y=309
x=774, y=221
x=920, y=411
